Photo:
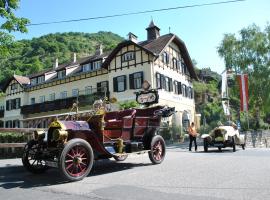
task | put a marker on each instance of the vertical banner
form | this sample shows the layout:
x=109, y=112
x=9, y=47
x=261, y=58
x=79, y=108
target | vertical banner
x=224, y=94
x=243, y=83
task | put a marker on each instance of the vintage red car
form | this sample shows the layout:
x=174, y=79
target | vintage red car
x=72, y=146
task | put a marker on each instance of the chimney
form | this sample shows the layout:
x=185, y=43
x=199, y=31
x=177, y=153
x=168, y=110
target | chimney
x=132, y=37
x=74, y=57
x=152, y=31
x=56, y=63
x=99, y=49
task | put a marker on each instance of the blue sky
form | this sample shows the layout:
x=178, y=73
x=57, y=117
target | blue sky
x=201, y=28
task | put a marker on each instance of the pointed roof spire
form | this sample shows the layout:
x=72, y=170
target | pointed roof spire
x=152, y=24
x=152, y=31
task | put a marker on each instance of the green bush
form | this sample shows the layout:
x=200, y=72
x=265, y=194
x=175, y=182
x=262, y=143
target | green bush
x=11, y=138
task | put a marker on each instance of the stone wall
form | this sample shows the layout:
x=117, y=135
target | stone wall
x=259, y=138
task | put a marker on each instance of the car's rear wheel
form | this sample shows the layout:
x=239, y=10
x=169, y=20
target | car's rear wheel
x=158, y=150
x=76, y=159
x=31, y=158
x=205, y=145
x=243, y=146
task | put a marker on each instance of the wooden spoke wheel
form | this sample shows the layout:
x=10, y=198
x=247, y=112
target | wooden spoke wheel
x=76, y=159
x=158, y=150
x=32, y=157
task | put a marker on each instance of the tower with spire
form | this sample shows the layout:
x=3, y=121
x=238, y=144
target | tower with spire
x=152, y=31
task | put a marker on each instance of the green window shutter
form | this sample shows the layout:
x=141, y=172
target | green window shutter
x=131, y=81
x=115, y=86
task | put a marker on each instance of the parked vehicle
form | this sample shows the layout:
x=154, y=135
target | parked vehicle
x=222, y=137
x=72, y=146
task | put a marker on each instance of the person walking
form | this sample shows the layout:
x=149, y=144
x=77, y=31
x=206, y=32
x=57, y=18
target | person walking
x=192, y=136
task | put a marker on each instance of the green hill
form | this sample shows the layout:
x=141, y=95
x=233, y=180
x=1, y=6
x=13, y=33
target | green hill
x=30, y=56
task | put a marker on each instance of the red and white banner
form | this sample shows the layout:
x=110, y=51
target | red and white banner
x=243, y=83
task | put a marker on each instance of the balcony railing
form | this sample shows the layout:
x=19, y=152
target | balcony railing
x=59, y=104
x=2, y=113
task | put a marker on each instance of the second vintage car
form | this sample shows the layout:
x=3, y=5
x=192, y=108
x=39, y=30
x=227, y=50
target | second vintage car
x=222, y=137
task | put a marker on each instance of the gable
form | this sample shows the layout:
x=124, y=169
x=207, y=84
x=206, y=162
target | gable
x=13, y=87
x=127, y=54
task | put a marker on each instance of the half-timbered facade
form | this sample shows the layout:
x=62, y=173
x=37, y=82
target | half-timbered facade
x=163, y=61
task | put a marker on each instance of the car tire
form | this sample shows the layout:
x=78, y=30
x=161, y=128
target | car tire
x=158, y=150
x=243, y=146
x=205, y=145
x=30, y=158
x=233, y=144
x=76, y=160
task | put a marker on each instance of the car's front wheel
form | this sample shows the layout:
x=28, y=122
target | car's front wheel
x=158, y=150
x=76, y=159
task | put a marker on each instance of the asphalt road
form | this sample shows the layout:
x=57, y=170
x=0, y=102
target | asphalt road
x=242, y=175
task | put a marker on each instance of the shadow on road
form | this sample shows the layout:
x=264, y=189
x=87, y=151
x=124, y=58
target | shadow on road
x=17, y=176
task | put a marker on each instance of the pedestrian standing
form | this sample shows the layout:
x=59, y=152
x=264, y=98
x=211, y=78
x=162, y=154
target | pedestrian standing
x=192, y=136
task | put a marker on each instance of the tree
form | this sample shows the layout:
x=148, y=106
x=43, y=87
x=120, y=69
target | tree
x=11, y=22
x=250, y=53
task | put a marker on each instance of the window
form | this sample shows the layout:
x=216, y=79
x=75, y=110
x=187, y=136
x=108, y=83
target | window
x=166, y=83
x=8, y=124
x=16, y=124
x=136, y=80
x=17, y=103
x=52, y=96
x=177, y=87
x=175, y=63
x=75, y=92
x=13, y=104
x=42, y=99
x=128, y=56
x=61, y=74
x=183, y=67
x=88, y=90
x=14, y=86
x=158, y=81
x=119, y=83
x=41, y=79
x=184, y=90
x=33, y=81
x=63, y=95
x=33, y=100
x=165, y=58
x=190, y=92
x=103, y=86
x=86, y=67
x=96, y=65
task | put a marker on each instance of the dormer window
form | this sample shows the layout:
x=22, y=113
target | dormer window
x=96, y=65
x=41, y=79
x=61, y=74
x=128, y=56
x=33, y=81
x=86, y=67
x=165, y=58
